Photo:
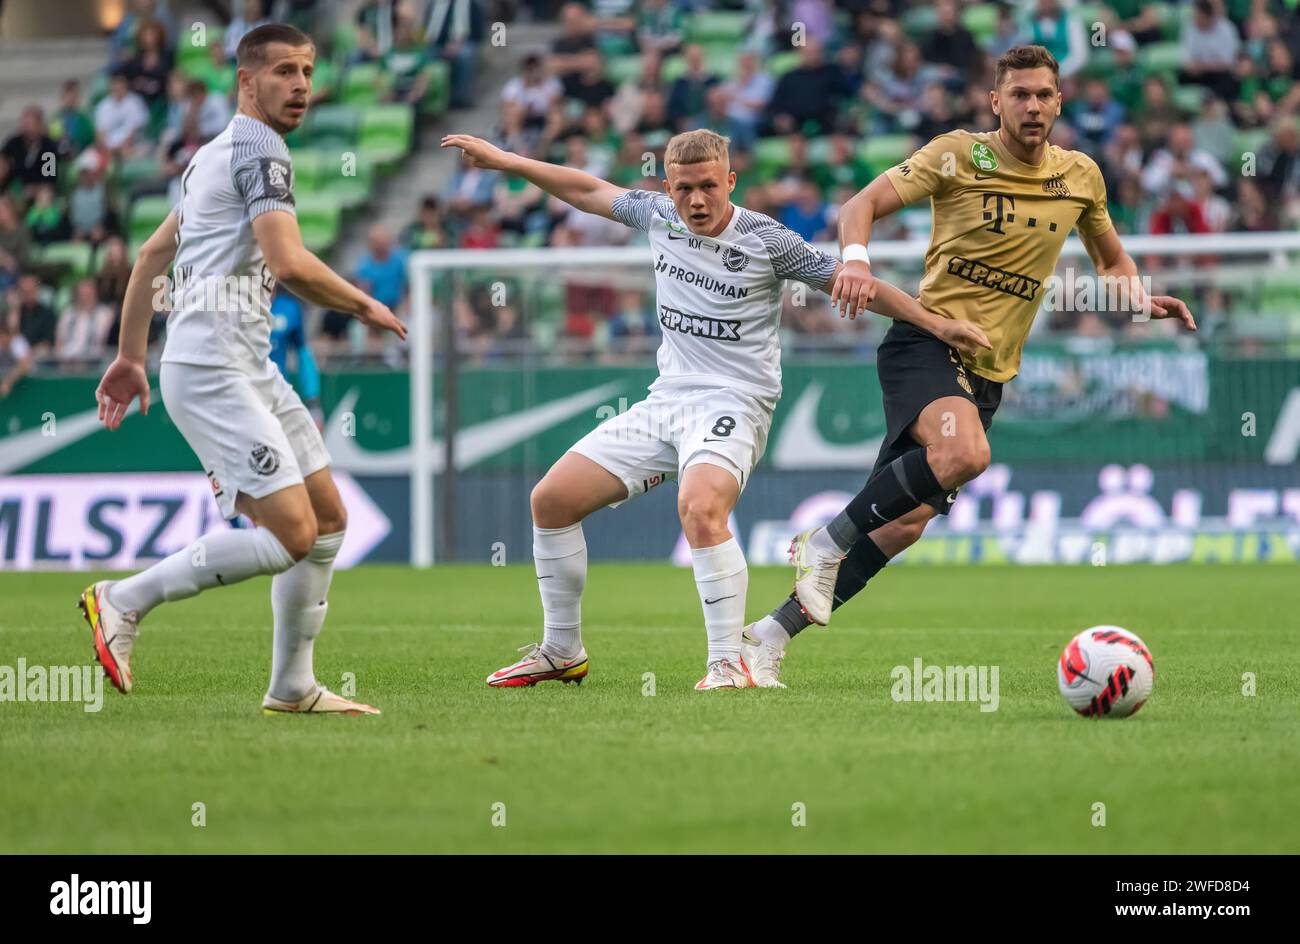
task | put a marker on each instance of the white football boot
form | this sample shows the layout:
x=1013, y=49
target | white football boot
x=763, y=659
x=725, y=674
x=320, y=702
x=540, y=666
x=815, y=570
x=113, y=632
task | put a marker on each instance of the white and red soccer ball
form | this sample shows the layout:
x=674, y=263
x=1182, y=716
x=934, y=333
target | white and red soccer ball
x=1106, y=672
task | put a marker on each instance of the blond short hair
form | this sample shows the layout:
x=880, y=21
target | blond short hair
x=697, y=147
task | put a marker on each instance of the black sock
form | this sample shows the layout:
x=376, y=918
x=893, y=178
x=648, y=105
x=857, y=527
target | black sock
x=898, y=488
x=863, y=562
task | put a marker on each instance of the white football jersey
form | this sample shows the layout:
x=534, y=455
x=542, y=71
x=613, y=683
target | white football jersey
x=719, y=297
x=222, y=288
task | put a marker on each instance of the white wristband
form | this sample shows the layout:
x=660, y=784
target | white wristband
x=855, y=253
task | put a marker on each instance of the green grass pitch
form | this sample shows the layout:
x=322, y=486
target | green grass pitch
x=604, y=767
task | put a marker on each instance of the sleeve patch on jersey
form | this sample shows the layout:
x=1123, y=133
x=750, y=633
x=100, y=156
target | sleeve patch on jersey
x=277, y=179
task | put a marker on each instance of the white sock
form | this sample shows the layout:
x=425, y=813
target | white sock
x=298, y=602
x=216, y=559
x=722, y=577
x=560, y=555
x=769, y=630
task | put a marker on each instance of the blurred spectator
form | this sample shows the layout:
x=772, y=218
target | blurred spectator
x=120, y=117
x=406, y=59
x=807, y=214
x=84, y=325
x=471, y=187
x=381, y=274
x=1179, y=212
x=114, y=272
x=1156, y=114
x=572, y=50
x=455, y=29
x=122, y=41
x=936, y=115
x=1124, y=77
x=252, y=14
x=1056, y=25
x=14, y=238
x=532, y=94
x=591, y=87
x=659, y=27
x=808, y=96
x=88, y=212
x=1255, y=212
x=950, y=44
x=148, y=69
x=687, y=99
x=71, y=125
x=31, y=317
x=1139, y=18
x=633, y=328
x=46, y=220
x=1216, y=210
x=32, y=155
x=747, y=95
x=628, y=102
x=1212, y=130
x=15, y=358
x=1177, y=160
x=9, y=272
x=1278, y=167
x=896, y=92
x=1007, y=33
x=1210, y=43
x=1096, y=117
x=817, y=17
x=426, y=231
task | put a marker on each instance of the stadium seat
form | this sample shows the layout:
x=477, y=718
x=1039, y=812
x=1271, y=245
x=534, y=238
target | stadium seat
x=190, y=56
x=919, y=22
x=146, y=214
x=1171, y=19
x=1250, y=140
x=353, y=185
x=781, y=63
x=74, y=258
x=1188, y=98
x=135, y=170
x=310, y=166
x=623, y=69
x=364, y=84
x=1160, y=58
x=1090, y=13
x=319, y=220
x=981, y=19
x=708, y=27
x=1280, y=294
x=386, y=132
x=332, y=126
x=771, y=157
x=883, y=151
x=717, y=60
x=437, y=97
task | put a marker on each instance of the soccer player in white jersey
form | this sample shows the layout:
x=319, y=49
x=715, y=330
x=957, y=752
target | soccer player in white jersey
x=719, y=273
x=233, y=236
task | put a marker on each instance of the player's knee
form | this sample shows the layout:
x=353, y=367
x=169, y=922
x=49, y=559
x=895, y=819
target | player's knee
x=298, y=538
x=331, y=520
x=704, y=517
x=957, y=463
x=550, y=510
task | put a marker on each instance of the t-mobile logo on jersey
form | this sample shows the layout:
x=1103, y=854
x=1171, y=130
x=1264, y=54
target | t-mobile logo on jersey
x=76, y=897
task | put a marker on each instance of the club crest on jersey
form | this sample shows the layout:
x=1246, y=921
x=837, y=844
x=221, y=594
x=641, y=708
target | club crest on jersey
x=264, y=459
x=699, y=326
x=734, y=259
x=982, y=156
x=1056, y=186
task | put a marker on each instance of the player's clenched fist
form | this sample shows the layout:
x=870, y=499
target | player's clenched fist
x=378, y=315
x=478, y=153
x=854, y=287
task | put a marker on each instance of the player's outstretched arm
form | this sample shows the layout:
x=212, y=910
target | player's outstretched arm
x=298, y=269
x=855, y=286
x=146, y=294
x=576, y=188
x=1108, y=255
x=894, y=303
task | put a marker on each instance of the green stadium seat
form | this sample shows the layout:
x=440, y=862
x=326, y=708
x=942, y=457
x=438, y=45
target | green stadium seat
x=319, y=220
x=353, y=189
x=1250, y=140
x=981, y=19
x=623, y=69
x=1160, y=58
x=709, y=27
x=146, y=215
x=883, y=151
x=1100, y=64
x=1171, y=20
x=819, y=151
x=919, y=22
x=781, y=63
x=309, y=168
x=1188, y=98
x=136, y=170
x=192, y=56
x=332, y=126
x=364, y=84
x=771, y=157
x=387, y=127
x=1280, y=294
x=345, y=40
x=324, y=79
x=1090, y=13
x=75, y=258
x=437, y=96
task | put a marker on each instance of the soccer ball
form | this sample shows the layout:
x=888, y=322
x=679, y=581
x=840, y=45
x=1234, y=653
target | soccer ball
x=1106, y=672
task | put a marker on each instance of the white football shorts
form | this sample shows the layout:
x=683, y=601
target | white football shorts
x=660, y=437
x=251, y=431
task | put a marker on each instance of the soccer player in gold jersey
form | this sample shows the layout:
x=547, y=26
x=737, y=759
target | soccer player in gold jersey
x=1003, y=202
